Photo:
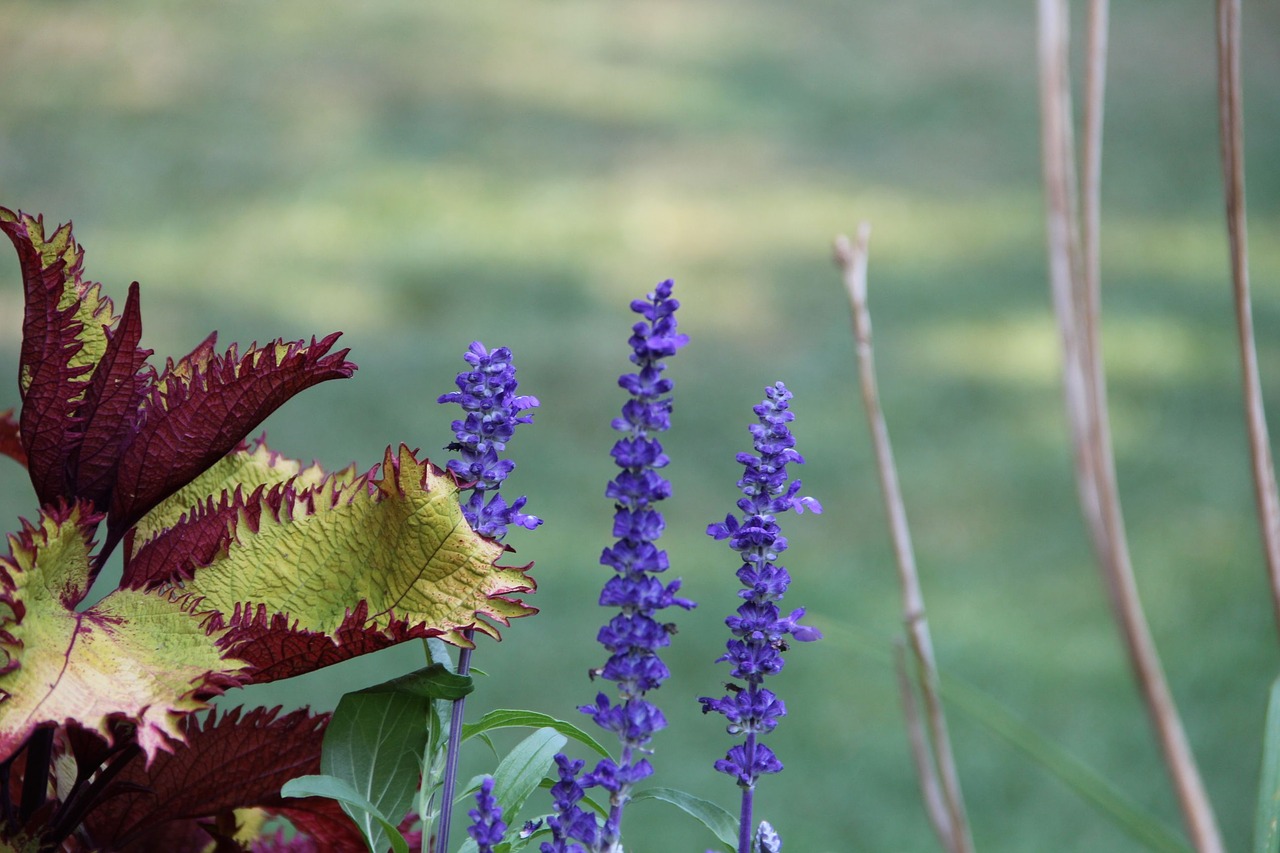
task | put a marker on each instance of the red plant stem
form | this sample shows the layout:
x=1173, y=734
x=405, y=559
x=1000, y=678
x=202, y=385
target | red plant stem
x=1231, y=137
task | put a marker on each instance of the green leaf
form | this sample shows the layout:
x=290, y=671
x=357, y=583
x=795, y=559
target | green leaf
x=987, y=711
x=375, y=740
x=351, y=800
x=519, y=774
x=430, y=682
x=503, y=718
x=1266, y=828
x=516, y=777
x=1073, y=772
x=434, y=755
x=723, y=825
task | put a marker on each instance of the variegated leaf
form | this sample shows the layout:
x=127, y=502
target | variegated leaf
x=143, y=658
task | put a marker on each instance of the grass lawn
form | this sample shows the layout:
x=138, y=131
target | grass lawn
x=421, y=175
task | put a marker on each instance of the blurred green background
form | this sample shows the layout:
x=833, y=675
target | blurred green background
x=420, y=175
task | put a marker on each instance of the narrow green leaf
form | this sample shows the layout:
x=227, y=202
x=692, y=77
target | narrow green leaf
x=1266, y=834
x=987, y=711
x=509, y=718
x=722, y=824
x=1073, y=772
x=519, y=774
x=375, y=740
x=337, y=789
x=470, y=846
x=486, y=740
x=524, y=769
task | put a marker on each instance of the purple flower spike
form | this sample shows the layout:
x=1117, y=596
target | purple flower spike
x=492, y=410
x=635, y=635
x=759, y=629
x=570, y=821
x=486, y=827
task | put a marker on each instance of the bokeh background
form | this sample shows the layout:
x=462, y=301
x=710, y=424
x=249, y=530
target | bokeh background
x=421, y=174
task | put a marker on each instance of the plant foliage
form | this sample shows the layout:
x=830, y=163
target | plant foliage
x=241, y=566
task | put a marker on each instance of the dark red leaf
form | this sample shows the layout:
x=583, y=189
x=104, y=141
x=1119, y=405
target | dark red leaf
x=190, y=423
x=278, y=650
x=90, y=749
x=323, y=826
x=51, y=384
x=109, y=410
x=230, y=762
x=10, y=440
x=191, y=543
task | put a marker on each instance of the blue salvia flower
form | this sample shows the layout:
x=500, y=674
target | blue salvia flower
x=570, y=821
x=759, y=629
x=634, y=636
x=492, y=411
x=486, y=827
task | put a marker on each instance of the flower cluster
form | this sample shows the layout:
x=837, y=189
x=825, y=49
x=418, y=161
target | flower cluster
x=487, y=395
x=634, y=636
x=758, y=628
x=486, y=827
x=570, y=820
x=492, y=410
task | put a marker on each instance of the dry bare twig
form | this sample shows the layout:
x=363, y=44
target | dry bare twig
x=921, y=756
x=938, y=768
x=1074, y=283
x=1231, y=136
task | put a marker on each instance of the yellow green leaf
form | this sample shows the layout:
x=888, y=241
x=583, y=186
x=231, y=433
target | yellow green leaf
x=143, y=658
x=246, y=467
x=355, y=562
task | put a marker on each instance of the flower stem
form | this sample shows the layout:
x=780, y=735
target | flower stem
x=451, y=755
x=748, y=801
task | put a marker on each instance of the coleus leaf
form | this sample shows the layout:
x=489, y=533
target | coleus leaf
x=189, y=423
x=232, y=576
x=231, y=762
x=110, y=406
x=322, y=828
x=146, y=659
x=10, y=441
x=247, y=466
x=98, y=423
x=63, y=337
x=190, y=537
x=303, y=576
